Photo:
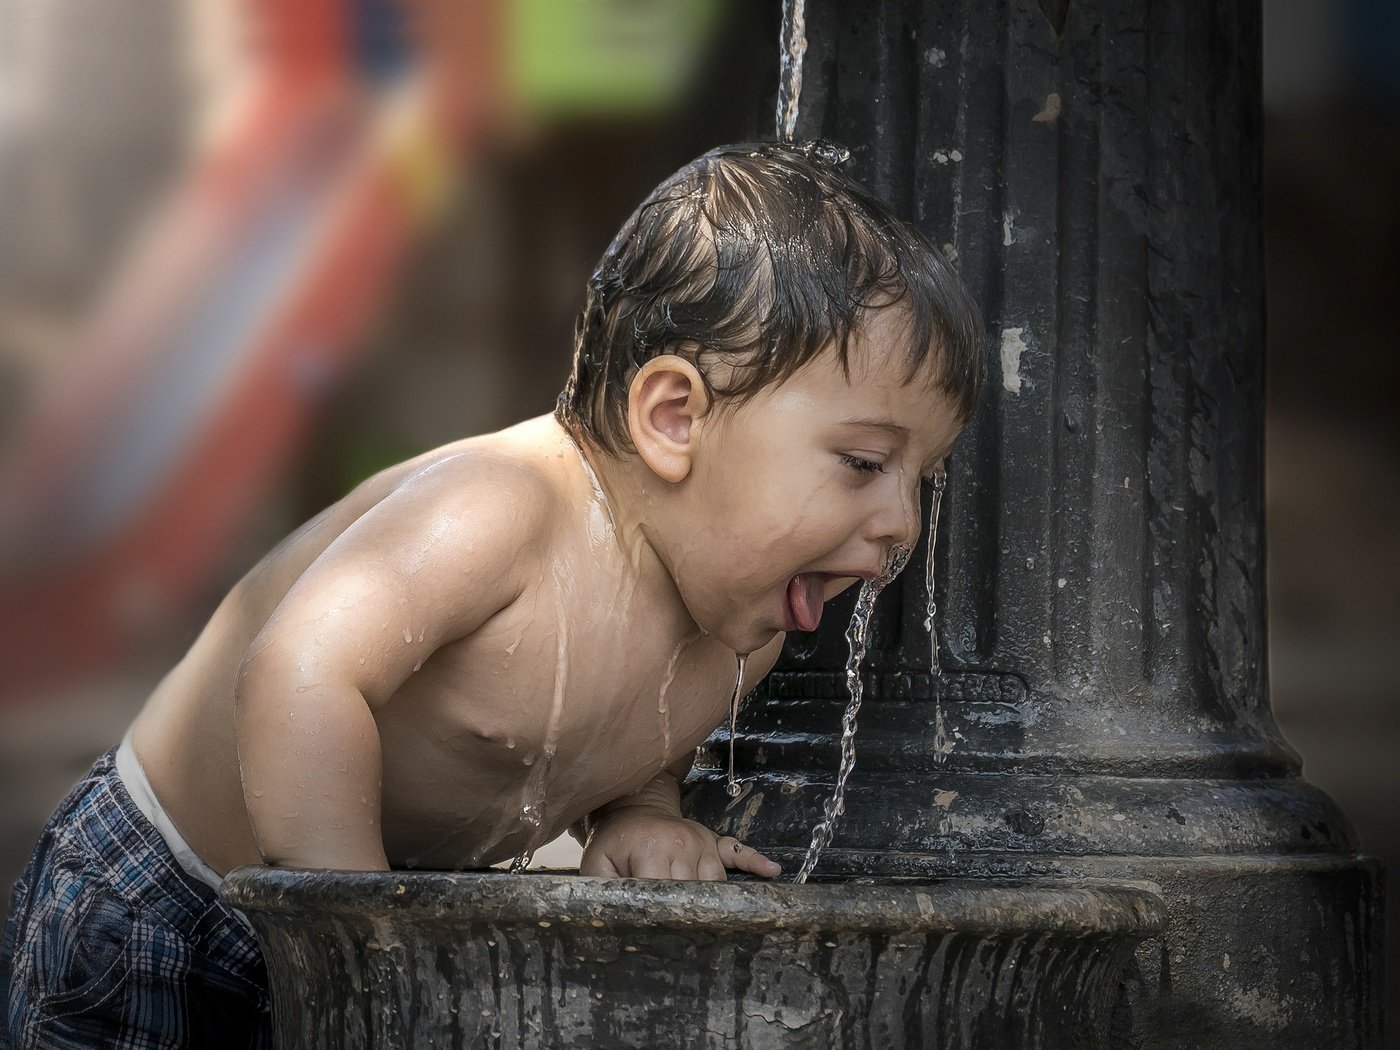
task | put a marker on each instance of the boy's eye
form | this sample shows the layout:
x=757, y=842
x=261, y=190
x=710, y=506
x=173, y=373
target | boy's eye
x=865, y=466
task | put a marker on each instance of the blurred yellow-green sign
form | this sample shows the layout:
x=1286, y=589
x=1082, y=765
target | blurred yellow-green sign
x=587, y=57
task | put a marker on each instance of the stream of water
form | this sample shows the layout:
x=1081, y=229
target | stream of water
x=731, y=785
x=940, y=482
x=855, y=637
x=794, y=46
x=942, y=741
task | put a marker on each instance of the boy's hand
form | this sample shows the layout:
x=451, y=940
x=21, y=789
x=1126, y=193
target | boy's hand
x=643, y=844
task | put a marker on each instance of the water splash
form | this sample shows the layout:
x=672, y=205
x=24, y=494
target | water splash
x=794, y=46
x=942, y=739
x=731, y=786
x=855, y=637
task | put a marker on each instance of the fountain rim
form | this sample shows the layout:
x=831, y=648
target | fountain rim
x=964, y=906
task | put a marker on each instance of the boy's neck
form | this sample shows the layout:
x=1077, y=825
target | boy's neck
x=633, y=501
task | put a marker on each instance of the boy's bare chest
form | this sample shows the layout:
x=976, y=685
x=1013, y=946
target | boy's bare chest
x=582, y=699
x=579, y=686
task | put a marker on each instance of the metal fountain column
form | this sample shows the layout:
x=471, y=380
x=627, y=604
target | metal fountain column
x=1093, y=170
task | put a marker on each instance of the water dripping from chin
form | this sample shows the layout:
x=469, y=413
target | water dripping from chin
x=731, y=786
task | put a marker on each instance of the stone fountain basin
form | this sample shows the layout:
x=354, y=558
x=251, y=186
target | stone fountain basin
x=489, y=959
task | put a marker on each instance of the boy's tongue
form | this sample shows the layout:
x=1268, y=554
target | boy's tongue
x=804, y=595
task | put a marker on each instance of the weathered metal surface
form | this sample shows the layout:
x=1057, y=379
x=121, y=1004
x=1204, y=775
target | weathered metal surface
x=1092, y=166
x=493, y=960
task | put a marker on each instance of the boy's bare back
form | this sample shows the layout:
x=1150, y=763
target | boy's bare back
x=504, y=651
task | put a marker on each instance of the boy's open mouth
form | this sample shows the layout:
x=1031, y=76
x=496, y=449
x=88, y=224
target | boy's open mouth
x=805, y=594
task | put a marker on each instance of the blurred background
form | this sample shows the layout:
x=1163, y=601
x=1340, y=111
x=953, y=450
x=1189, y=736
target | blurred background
x=252, y=252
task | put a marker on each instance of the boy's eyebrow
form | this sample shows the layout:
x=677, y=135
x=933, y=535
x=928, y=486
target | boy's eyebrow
x=889, y=426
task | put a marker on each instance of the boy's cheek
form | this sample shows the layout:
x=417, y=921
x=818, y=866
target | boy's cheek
x=839, y=585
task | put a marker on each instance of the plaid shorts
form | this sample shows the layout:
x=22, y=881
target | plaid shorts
x=110, y=943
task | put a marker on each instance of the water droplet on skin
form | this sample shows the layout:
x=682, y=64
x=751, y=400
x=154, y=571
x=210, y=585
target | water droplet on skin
x=662, y=707
x=257, y=794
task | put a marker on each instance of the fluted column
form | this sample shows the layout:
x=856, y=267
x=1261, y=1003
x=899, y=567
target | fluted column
x=1092, y=169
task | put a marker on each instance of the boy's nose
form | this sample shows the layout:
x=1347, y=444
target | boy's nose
x=897, y=520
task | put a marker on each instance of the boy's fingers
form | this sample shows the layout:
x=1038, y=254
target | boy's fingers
x=731, y=850
x=598, y=864
x=710, y=868
x=736, y=855
x=757, y=864
x=651, y=866
x=682, y=868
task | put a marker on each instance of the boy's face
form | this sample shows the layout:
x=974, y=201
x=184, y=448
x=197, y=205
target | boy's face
x=802, y=490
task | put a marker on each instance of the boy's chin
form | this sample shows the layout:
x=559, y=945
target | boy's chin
x=742, y=635
x=746, y=639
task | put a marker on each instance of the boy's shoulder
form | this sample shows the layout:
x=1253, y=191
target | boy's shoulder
x=486, y=501
x=438, y=543
x=516, y=473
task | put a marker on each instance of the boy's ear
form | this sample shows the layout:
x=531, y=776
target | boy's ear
x=664, y=401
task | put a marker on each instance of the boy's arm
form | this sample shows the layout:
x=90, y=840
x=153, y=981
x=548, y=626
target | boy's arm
x=426, y=566
x=644, y=835
x=661, y=794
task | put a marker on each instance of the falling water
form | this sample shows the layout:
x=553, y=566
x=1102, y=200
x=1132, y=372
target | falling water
x=794, y=46
x=942, y=742
x=532, y=812
x=732, y=785
x=855, y=637
x=940, y=482
x=663, y=709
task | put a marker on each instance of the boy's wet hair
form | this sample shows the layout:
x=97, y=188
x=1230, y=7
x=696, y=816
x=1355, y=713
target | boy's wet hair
x=761, y=255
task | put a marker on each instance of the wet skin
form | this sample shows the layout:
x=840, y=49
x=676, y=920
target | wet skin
x=392, y=675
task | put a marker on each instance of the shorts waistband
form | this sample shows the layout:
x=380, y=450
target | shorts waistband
x=138, y=787
x=140, y=867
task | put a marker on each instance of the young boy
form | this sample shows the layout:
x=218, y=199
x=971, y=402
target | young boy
x=527, y=631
